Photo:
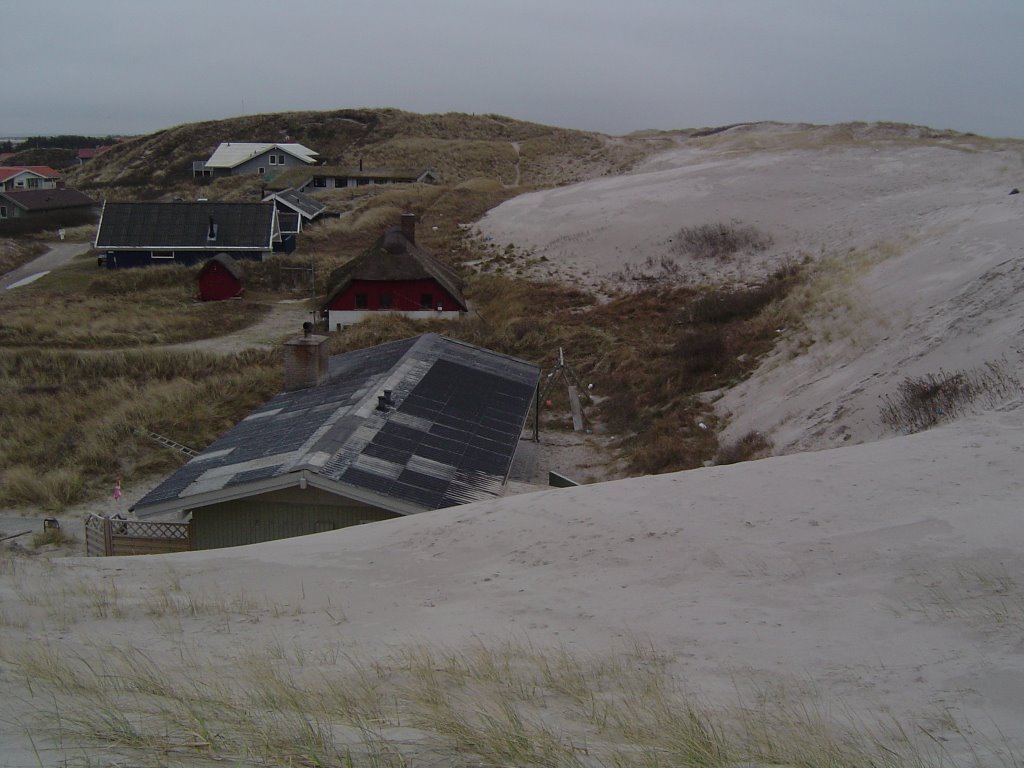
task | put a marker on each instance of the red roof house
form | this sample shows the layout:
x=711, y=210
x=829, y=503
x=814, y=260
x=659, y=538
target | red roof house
x=394, y=275
x=14, y=177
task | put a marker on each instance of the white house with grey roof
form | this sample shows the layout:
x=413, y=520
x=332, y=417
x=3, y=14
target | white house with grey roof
x=396, y=429
x=264, y=159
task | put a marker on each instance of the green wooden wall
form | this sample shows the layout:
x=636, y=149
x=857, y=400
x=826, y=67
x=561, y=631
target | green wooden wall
x=277, y=515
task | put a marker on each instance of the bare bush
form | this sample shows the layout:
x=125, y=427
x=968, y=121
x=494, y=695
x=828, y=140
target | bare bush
x=925, y=401
x=720, y=240
x=753, y=445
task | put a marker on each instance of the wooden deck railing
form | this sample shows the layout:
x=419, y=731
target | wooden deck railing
x=106, y=537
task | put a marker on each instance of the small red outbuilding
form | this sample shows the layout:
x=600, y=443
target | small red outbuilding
x=220, y=278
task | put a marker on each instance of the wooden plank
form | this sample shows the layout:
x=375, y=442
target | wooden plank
x=139, y=545
x=577, y=410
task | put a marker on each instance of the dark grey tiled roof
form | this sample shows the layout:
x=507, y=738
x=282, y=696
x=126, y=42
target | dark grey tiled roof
x=449, y=439
x=48, y=199
x=186, y=226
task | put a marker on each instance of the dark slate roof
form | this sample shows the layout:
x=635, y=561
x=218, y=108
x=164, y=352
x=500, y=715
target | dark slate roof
x=48, y=199
x=185, y=226
x=304, y=205
x=395, y=257
x=233, y=267
x=458, y=414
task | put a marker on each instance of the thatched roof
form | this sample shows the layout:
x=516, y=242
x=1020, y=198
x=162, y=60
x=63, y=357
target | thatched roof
x=392, y=258
x=233, y=267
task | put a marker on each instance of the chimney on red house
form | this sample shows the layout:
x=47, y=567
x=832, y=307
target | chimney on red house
x=409, y=227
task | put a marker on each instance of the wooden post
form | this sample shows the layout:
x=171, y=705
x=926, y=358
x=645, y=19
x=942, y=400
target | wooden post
x=536, y=415
x=108, y=537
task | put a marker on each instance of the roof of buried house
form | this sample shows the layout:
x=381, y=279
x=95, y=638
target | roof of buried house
x=448, y=437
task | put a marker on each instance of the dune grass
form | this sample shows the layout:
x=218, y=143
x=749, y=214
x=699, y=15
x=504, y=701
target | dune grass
x=488, y=704
x=84, y=307
x=17, y=251
x=68, y=426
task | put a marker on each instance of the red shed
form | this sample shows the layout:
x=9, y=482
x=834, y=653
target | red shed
x=220, y=278
x=394, y=275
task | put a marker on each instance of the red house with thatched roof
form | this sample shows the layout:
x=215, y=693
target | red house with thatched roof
x=394, y=275
x=220, y=279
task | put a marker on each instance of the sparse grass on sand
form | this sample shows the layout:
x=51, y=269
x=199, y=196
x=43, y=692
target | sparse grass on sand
x=297, y=702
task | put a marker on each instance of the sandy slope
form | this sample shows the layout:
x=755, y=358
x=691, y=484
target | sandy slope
x=940, y=286
x=882, y=579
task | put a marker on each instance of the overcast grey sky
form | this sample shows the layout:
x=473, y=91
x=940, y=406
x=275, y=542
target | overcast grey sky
x=134, y=66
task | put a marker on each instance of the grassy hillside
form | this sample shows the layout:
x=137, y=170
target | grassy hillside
x=459, y=146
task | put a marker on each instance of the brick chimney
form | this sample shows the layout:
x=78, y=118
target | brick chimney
x=305, y=360
x=409, y=227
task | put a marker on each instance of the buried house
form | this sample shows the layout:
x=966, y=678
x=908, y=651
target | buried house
x=396, y=429
x=394, y=275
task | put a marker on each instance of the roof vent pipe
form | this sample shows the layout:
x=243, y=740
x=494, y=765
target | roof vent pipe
x=211, y=233
x=307, y=328
x=384, y=402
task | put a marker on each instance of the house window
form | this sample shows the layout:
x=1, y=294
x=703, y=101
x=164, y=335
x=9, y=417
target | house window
x=361, y=301
x=385, y=301
x=3, y=211
x=426, y=300
x=33, y=183
x=273, y=159
x=280, y=159
x=319, y=181
x=261, y=170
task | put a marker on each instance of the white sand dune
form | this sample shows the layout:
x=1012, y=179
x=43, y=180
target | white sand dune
x=883, y=578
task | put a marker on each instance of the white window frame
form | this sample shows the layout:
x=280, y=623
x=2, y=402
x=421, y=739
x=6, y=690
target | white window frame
x=273, y=159
x=261, y=171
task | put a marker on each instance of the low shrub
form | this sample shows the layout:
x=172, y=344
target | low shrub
x=924, y=401
x=719, y=240
x=753, y=445
x=52, y=536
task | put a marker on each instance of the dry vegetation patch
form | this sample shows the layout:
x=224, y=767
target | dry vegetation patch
x=15, y=252
x=84, y=307
x=69, y=420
